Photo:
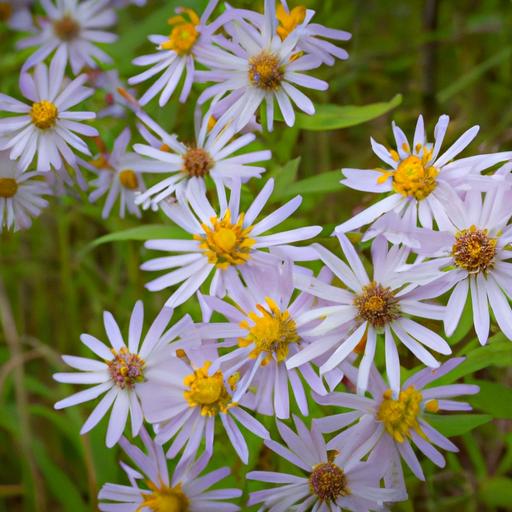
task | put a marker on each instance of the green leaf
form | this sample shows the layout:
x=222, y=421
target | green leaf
x=322, y=183
x=459, y=424
x=285, y=177
x=497, y=492
x=493, y=398
x=334, y=117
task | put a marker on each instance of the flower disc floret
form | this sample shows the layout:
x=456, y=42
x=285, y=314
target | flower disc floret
x=377, y=304
x=474, y=250
x=328, y=482
x=44, y=114
x=126, y=369
x=273, y=331
x=414, y=178
x=197, y=162
x=208, y=391
x=266, y=71
x=164, y=499
x=225, y=243
x=8, y=187
x=128, y=179
x=184, y=34
x=289, y=21
x=66, y=29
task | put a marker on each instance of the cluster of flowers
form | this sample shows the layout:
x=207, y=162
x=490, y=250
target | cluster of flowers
x=443, y=225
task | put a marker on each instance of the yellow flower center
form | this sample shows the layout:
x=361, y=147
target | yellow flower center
x=184, y=34
x=328, y=482
x=66, y=28
x=272, y=332
x=225, y=243
x=288, y=21
x=5, y=11
x=164, y=499
x=413, y=178
x=44, y=114
x=474, y=250
x=8, y=187
x=377, y=305
x=128, y=179
x=197, y=162
x=126, y=369
x=209, y=391
x=266, y=71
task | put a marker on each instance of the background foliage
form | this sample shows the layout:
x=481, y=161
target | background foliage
x=441, y=57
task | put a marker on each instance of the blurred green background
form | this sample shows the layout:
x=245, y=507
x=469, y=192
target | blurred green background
x=452, y=57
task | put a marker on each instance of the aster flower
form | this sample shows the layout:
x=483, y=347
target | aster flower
x=176, y=54
x=256, y=67
x=184, y=490
x=187, y=399
x=421, y=180
x=371, y=307
x=332, y=480
x=16, y=14
x=472, y=258
x=208, y=156
x=223, y=242
x=391, y=422
x=46, y=128
x=261, y=334
x=21, y=195
x=73, y=27
x=123, y=368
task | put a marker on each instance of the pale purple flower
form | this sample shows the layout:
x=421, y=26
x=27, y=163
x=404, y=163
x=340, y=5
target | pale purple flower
x=332, y=482
x=371, y=309
x=46, y=128
x=420, y=180
x=152, y=488
x=224, y=242
x=73, y=27
x=210, y=155
x=21, y=195
x=123, y=368
x=390, y=422
x=186, y=400
x=256, y=67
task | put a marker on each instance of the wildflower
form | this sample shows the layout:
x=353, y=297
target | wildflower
x=332, y=481
x=369, y=307
x=208, y=156
x=46, y=128
x=21, y=195
x=390, y=422
x=72, y=27
x=16, y=14
x=184, y=490
x=258, y=67
x=123, y=368
x=223, y=242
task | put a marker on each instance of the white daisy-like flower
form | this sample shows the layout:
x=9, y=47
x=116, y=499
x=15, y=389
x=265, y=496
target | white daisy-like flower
x=73, y=26
x=223, y=242
x=472, y=257
x=119, y=176
x=208, y=156
x=123, y=368
x=177, y=54
x=421, y=180
x=256, y=67
x=332, y=481
x=21, y=195
x=371, y=307
x=183, y=491
x=47, y=128
x=16, y=14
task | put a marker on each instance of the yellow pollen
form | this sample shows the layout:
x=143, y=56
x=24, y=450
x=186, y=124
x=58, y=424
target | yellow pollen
x=328, y=482
x=184, y=34
x=66, y=28
x=126, y=369
x=209, y=391
x=44, y=114
x=474, y=250
x=224, y=243
x=400, y=416
x=8, y=187
x=413, y=178
x=266, y=71
x=5, y=11
x=128, y=179
x=377, y=305
x=197, y=162
x=164, y=499
x=432, y=406
x=288, y=21
x=272, y=332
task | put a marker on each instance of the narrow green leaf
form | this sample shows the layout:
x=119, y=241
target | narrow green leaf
x=493, y=398
x=285, y=177
x=322, y=183
x=497, y=492
x=456, y=425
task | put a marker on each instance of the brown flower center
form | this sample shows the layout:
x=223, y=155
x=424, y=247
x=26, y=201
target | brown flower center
x=126, y=369
x=197, y=162
x=474, y=250
x=328, y=482
x=128, y=179
x=66, y=28
x=266, y=71
x=5, y=11
x=377, y=304
x=8, y=187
